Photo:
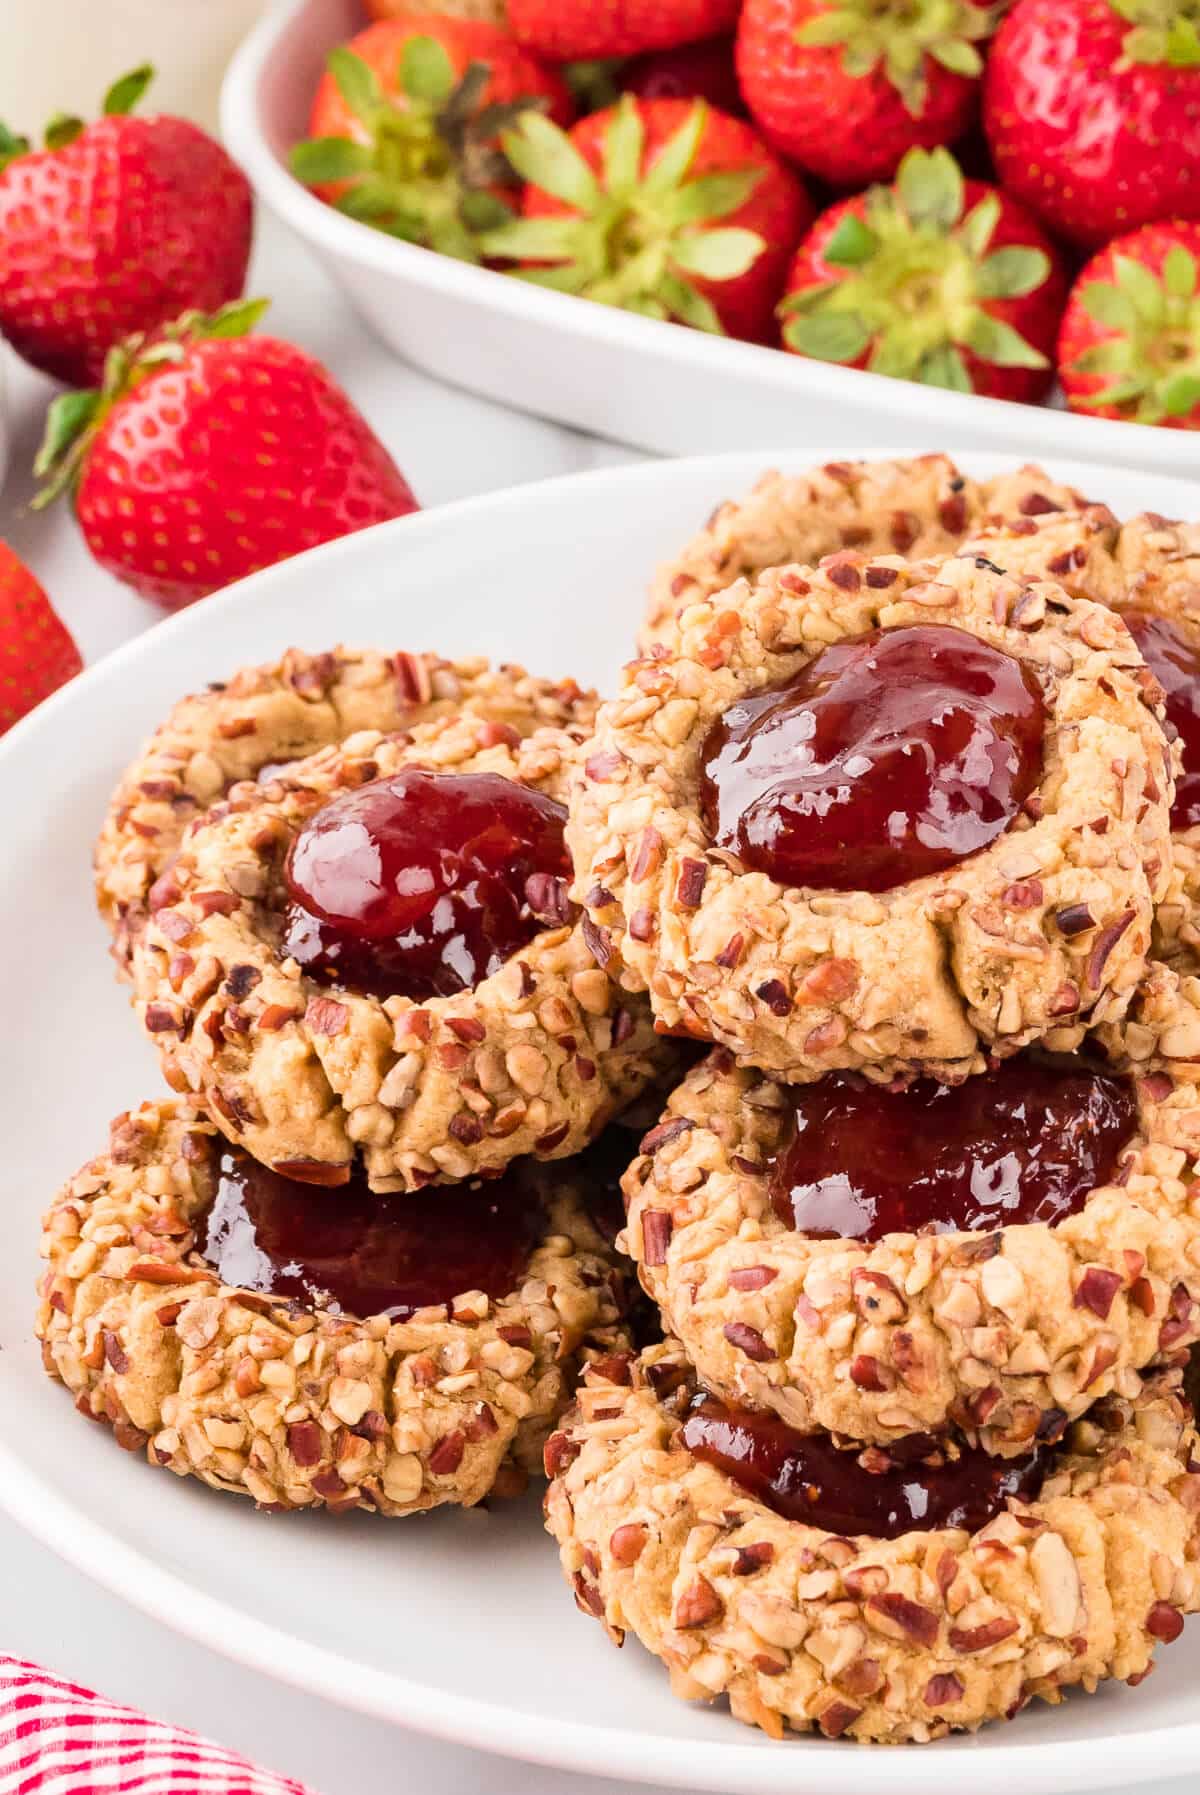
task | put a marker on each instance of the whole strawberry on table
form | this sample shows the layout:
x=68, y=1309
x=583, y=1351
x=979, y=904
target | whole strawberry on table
x=1078, y=121
x=193, y=453
x=113, y=227
x=207, y=454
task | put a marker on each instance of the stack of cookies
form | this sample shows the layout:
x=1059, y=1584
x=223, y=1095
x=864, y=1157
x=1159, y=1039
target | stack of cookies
x=909, y=837
x=870, y=906
x=359, y=1258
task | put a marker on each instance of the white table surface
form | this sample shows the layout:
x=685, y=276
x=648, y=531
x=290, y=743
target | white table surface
x=449, y=445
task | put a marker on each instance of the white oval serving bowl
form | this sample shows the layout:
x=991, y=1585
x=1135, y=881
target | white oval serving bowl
x=458, y=1624
x=657, y=386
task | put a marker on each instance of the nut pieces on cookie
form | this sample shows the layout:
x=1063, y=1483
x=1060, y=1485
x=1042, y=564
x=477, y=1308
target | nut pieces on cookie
x=1148, y=569
x=983, y=956
x=532, y=1059
x=886, y=1640
x=270, y=715
x=917, y=508
x=1004, y=1331
x=298, y=1405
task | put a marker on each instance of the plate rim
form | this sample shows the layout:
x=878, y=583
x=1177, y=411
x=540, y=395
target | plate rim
x=65, y=1526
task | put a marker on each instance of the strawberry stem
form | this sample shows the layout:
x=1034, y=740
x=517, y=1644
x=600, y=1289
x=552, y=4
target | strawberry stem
x=632, y=237
x=63, y=127
x=1154, y=351
x=430, y=167
x=918, y=276
x=61, y=130
x=1160, y=31
x=11, y=146
x=125, y=94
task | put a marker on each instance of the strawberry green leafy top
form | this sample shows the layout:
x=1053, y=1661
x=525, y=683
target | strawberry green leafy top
x=429, y=169
x=1154, y=357
x=918, y=274
x=64, y=128
x=632, y=238
x=1161, y=31
x=895, y=36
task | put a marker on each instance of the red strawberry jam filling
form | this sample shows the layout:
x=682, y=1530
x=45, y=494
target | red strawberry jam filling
x=363, y=1253
x=422, y=884
x=1026, y=1142
x=918, y=1483
x=1174, y=660
x=888, y=757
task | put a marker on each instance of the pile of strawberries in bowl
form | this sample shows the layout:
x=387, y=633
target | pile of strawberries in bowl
x=988, y=198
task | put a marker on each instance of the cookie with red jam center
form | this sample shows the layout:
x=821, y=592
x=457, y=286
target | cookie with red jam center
x=366, y=1253
x=1027, y=1141
x=371, y=959
x=917, y=1483
x=423, y=884
x=888, y=757
x=876, y=1596
x=877, y=1261
x=879, y=814
x=262, y=720
x=308, y=1348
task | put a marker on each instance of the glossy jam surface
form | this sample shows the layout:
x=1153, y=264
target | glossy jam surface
x=366, y=1254
x=1026, y=1142
x=890, y=756
x=425, y=883
x=1174, y=660
x=805, y=1477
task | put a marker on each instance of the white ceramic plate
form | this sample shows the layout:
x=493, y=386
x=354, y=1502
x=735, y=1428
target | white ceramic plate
x=458, y=1624
x=634, y=379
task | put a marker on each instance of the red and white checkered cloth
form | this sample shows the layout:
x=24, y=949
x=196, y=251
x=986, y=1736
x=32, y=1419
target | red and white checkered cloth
x=59, y=1739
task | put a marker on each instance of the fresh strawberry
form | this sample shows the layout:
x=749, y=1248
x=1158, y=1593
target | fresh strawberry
x=114, y=227
x=934, y=279
x=701, y=71
x=208, y=454
x=664, y=207
x=1130, y=340
x=1092, y=108
x=564, y=30
x=37, y=651
x=405, y=123
x=846, y=87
